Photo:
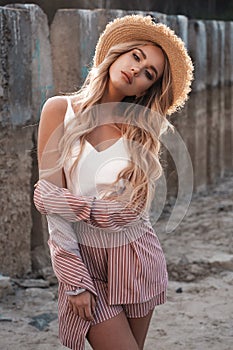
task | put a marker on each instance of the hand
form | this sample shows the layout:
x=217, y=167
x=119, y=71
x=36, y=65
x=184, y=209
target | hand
x=83, y=305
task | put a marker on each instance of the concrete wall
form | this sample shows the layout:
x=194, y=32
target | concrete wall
x=25, y=82
x=217, y=9
x=38, y=61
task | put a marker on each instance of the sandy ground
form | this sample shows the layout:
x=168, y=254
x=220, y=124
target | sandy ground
x=200, y=262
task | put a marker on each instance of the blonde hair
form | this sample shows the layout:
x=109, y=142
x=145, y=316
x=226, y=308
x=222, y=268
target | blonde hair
x=148, y=114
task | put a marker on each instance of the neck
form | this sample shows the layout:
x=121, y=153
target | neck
x=111, y=95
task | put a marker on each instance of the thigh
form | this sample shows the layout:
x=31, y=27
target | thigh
x=113, y=334
x=139, y=327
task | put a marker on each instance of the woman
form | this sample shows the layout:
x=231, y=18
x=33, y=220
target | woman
x=98, y=153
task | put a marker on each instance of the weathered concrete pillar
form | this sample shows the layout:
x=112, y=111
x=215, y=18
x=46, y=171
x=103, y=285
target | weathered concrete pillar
x=198, y=51
x=41, y=61
x=221, y=50
x=15, y=161
x=74, y=34
x=180, y=25
x=229, y=53
x=42, y=88
x=228, y=138
x=212, y=31
x=197, y=137
x=213, y=146
x=19, y=107
x=15, y=74
x=222, y=125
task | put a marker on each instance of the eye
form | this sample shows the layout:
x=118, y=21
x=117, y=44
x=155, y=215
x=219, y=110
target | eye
x=136, y=57
x=148, y=75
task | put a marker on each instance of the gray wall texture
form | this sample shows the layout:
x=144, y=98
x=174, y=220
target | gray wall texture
x=37, y=62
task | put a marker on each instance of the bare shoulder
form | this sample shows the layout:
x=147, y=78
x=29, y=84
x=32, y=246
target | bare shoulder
x=51, y=123
x=54, y=110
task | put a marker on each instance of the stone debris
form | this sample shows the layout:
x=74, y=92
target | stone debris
x=38, y=294
x=5, y=319
x=42, y=321
x=32, y=283
x=5, y=286
x=48, y=274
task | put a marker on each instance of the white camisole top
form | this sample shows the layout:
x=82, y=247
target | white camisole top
x=95, y=169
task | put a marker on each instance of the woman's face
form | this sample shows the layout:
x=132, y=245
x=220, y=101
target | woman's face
x=133, y=73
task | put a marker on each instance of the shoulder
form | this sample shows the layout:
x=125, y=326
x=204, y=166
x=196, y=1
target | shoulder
x=54, y=110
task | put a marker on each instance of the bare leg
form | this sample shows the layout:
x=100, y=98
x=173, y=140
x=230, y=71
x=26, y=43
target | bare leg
x=113, y=334
x=139, y=327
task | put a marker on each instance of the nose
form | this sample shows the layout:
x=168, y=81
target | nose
x=135, y=70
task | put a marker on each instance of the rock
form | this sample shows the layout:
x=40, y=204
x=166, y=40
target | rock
x=5, y=286
x=49, y=275
x=40, y=258
x=227, y=277
x=222, y=260
x=184, y=260
x=5, y=319
x=42, y=321
x=38, y=293
x=179, y=290
x=33, y=283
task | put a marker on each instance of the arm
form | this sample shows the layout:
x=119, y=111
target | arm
x=50, y=199
x=65, y=254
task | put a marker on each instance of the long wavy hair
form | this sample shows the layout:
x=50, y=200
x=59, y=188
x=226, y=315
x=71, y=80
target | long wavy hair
x=144, y=121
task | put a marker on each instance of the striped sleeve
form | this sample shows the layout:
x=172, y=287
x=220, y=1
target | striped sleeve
x=113, y=214
x=70, y=269
x=50, y=199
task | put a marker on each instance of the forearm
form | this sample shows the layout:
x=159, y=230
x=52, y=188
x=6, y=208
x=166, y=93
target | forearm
x=65, y=255
x=70, y=269
x=50, y=199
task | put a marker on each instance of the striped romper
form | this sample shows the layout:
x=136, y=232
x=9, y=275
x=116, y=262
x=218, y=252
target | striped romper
x=100, y=246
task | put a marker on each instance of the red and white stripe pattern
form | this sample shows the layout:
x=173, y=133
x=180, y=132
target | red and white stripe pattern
x=124, y=268
x=112, y=215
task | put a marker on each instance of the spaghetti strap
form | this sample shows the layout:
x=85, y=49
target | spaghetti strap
x=69, y=112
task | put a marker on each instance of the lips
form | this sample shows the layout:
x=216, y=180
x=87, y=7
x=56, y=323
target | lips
x=127, y=76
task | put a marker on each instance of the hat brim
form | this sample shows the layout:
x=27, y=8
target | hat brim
x=136, y=27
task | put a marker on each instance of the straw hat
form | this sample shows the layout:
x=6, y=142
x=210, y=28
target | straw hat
x=137, y=27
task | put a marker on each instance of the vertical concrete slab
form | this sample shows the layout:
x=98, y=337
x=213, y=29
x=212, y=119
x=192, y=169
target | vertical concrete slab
x=15, y=66
x=197, y=137
x=180, y=25
x=71, y=39
x=74, y=34
x=212, y=31
x=198, y=50
x=221, y=50
x=213, y=149
x=222, y=126
x=15, y=161
x=42, y=77
x=23, y=75
x=228, y=138
x=41, y=62
x=160, y=17
x=228, y=53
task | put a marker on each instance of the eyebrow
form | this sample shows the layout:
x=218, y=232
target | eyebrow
x=144, y=56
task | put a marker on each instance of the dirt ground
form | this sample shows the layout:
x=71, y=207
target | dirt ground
x=198, y=313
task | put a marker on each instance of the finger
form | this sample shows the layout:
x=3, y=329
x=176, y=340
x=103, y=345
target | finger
x=88, y=313
x=73, y=307
x=81, y=313
x=93, y=304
